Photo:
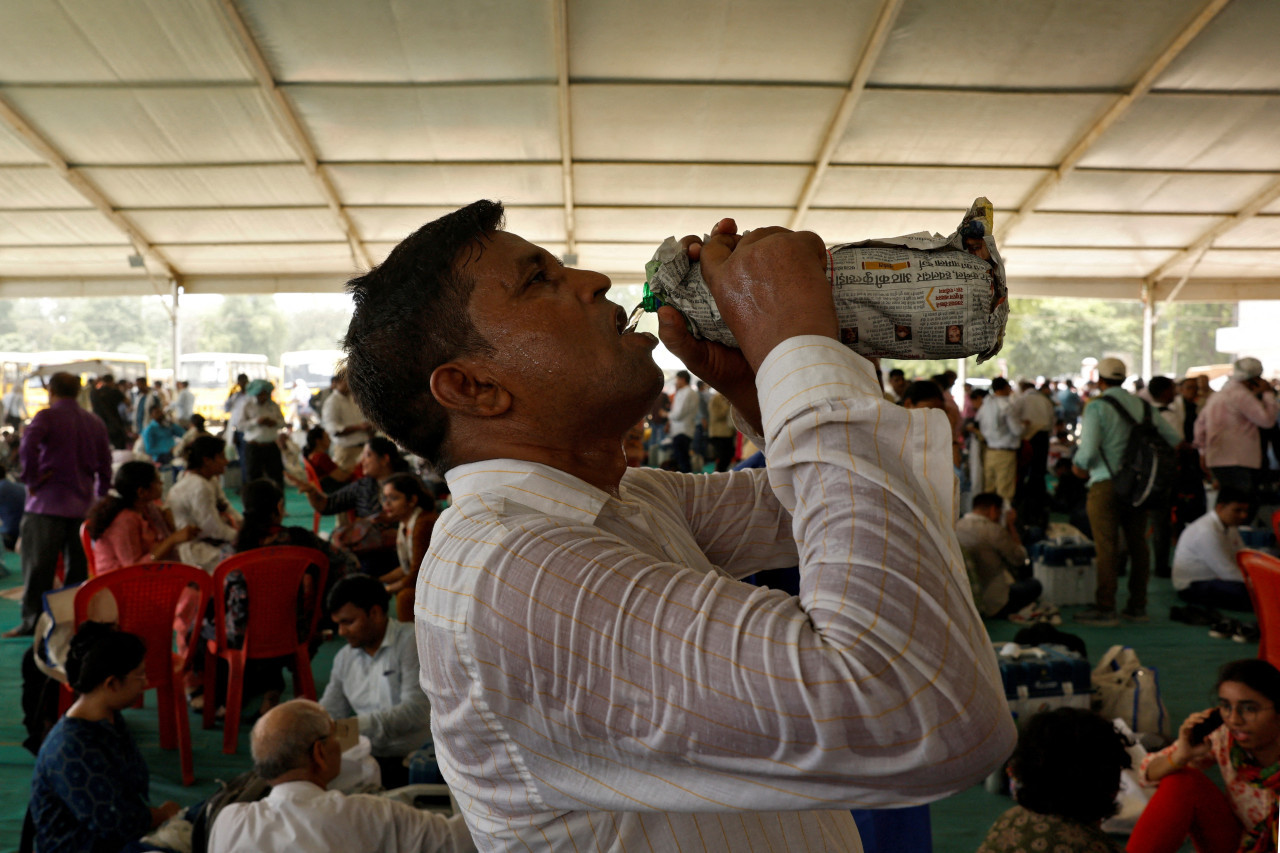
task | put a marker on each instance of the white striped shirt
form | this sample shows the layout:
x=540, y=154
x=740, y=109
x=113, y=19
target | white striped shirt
x=599, y=680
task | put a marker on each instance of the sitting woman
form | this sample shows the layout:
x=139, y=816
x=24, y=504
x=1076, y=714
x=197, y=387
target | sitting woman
x=263, y=526
x=193, y=432
x=408, y=503
x=129, y=526
x=316, y=452
x=1242, y=737
x=371, y=536
x=90, y=787
x=197, y=500
x=1065, y=774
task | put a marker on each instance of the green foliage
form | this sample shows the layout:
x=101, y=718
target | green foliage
x=1050, y=337
x=251, y=324
x=1045, y=337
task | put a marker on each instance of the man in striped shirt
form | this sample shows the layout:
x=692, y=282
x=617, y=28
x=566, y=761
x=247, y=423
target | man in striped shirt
x=600, y=678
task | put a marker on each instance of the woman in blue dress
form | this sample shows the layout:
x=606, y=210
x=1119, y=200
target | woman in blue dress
x=89, y=791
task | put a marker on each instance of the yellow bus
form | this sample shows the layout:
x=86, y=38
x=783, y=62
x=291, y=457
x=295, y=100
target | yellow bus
x=87, y=364
x=213, y=374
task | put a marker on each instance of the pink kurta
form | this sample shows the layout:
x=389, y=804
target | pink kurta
x=128, y=540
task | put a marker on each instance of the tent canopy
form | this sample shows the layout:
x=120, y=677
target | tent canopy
x=282, y=145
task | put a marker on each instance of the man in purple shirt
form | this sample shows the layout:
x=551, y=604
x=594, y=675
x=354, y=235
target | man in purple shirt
x=66, y=463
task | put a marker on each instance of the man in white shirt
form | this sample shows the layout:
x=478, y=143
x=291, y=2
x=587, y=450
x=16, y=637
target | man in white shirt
x=260, y=422
x=183, y=405
x=234, y=407
x=375, y=677
x=682, y=420
x=599, y=675
x=1204, y=563
x=1002, y=431
x=346, y=424
x=295, y=748
x=15, y=407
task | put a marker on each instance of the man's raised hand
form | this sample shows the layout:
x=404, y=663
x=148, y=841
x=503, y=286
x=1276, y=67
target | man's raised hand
x=769, y=284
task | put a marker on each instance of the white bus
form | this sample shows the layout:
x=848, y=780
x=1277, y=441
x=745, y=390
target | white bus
x=315, y=367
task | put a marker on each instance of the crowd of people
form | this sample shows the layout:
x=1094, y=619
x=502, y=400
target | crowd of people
x=578, y=636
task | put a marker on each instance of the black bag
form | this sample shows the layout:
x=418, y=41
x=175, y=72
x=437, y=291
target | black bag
x=248, y=787
x=1150, y=464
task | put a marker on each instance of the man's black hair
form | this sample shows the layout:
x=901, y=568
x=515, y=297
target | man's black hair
x=683, y=374
x=999, y=383
x=364, y=591
x=1158, y=385
x=985, y=500
x=64, y=385
x=1068, y=763
x=202, y=448
x=411, y=316
x=897, y=371
x=922, y=391
x=978, y=394
x=1232, y=495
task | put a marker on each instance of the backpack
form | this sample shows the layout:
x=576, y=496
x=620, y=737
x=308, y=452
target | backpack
x=1124, y=688
x=248, y=787
x=1149, y=466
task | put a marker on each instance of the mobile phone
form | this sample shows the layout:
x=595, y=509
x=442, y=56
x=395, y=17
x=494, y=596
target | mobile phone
x=1204, y=728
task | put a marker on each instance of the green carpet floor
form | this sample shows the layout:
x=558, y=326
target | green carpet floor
x=1186, y=657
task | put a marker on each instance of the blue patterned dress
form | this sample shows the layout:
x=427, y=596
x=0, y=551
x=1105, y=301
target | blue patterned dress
x=89, y=790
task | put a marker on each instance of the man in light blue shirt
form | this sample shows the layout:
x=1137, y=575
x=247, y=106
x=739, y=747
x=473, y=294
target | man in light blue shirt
x=1104, y=435
x=375, y=678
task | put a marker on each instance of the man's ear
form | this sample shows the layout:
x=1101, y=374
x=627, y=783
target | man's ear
x=469, y=388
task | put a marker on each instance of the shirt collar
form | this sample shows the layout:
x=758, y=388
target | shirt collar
x=540, y=487
x=296, y=790
x=389, y=637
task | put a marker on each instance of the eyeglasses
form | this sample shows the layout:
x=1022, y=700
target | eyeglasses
x=1246, y=709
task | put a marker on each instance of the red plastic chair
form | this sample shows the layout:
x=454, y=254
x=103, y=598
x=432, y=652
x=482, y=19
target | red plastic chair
x=147, y=596
x=1262, y=576
x=314, y=479
x=274, y=578
x=87, y=542
x=1275, y=525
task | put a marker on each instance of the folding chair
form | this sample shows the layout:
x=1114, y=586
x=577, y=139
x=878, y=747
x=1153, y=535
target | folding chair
x=274, y=578
x=147, y=596
x=87, y=542
x=1262, y=576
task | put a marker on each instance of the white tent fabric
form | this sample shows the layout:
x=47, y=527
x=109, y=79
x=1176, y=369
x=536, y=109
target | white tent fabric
x=243, y=145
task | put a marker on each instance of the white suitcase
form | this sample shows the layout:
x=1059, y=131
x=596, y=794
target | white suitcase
x=1065, y=585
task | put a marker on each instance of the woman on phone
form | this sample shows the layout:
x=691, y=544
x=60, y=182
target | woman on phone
x=1242, y=737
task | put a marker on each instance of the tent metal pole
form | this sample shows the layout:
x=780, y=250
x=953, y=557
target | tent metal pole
x=175, y=339
x=1148, y=330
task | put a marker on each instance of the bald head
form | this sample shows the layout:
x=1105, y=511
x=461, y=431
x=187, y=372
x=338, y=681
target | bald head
x=284, y=743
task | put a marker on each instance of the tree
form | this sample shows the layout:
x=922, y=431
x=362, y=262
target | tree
x=248, y=324
x=1051, y=336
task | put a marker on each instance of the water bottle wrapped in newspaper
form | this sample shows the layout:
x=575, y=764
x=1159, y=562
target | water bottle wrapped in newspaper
x=919, y=296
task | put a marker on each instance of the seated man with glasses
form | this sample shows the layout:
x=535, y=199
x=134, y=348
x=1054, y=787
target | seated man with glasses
x=1242, y=736
x=295, y=748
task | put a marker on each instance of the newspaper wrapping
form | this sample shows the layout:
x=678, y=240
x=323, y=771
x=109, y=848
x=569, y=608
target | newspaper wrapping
x=922, y=296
